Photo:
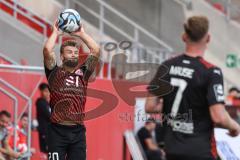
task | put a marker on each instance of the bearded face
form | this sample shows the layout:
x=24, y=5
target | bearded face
x=70, y=62
x=70, y=56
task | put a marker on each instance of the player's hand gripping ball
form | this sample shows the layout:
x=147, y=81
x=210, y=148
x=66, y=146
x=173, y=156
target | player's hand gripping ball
x=69, y=21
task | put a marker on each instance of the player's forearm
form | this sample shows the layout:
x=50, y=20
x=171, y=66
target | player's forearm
x=227, y=122
x=154, y=147
x=151, y=145
x=4, y=151
x=49, y=55
x=91, y=44
x=10, y=152
x=50, y=43
x=232, y=123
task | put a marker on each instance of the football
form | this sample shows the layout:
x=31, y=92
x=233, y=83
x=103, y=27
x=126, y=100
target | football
x=69, y=21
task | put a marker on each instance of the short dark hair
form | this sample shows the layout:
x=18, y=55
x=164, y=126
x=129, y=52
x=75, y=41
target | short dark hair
x=233, y=89
x=43, y=86
x=5, y=113
x=68, y=43
x=196, y=27
x=25, y=114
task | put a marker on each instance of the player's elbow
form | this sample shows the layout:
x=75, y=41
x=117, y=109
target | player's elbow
x=46, y=50
x=219, y=120
x=218, y=115
x=96, y=51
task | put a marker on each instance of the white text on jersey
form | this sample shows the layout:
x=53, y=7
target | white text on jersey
x=181, y=71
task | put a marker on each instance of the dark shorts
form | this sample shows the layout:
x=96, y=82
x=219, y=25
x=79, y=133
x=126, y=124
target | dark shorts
x=66, y=142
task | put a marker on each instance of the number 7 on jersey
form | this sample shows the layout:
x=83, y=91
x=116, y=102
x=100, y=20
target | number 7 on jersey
x=181, y=84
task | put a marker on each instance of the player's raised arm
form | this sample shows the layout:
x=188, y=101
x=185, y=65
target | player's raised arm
x=48, y=53
x=91, y=44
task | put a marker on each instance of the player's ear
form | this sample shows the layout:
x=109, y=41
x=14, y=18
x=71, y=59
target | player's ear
x=184, y=37
x=61, y=56
x=208, y=38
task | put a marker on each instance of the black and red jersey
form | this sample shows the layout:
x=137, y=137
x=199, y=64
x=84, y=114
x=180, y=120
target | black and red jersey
x=197, y=85
x=68, y=91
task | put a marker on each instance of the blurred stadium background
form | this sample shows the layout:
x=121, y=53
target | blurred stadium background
x=153, y=26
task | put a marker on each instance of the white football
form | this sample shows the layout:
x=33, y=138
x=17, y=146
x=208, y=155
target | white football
x=69, y=20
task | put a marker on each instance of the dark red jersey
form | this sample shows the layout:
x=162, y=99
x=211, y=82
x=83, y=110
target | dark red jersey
x=68, y=91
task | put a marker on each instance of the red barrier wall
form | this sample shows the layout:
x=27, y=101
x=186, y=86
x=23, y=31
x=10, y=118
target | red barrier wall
x=104, y=134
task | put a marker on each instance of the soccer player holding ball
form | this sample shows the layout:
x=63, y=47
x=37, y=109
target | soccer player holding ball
x=68, y=85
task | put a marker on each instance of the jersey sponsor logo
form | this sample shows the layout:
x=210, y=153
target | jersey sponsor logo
x=218, y=91
x=217, y=71
x=72, y=81
x=181, y=71
x=182, y=127
x=79, y=72
x=186, y=61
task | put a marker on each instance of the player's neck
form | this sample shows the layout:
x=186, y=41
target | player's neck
x=69, y=69
x=194, y=51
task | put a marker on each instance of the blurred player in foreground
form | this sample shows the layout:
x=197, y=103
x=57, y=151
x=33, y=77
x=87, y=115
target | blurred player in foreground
x=196, y=102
